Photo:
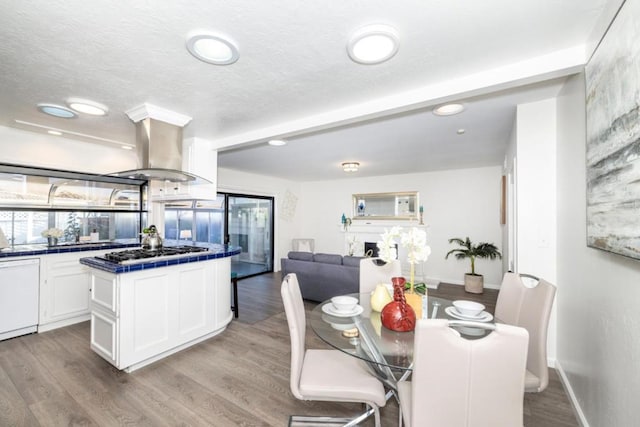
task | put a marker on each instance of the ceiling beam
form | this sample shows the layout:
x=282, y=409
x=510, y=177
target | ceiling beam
x=557, y=64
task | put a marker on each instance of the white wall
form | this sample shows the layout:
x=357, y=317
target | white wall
x=536, y=198
x=598, y=309
x=536, y=187
x=36, y=149
x=509, y=229
x=457, y=203
x=288, y=219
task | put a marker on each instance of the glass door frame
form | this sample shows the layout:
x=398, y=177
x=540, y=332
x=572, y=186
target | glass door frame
x=227, y=237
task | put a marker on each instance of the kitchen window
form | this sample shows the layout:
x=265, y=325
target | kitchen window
x=25, y=227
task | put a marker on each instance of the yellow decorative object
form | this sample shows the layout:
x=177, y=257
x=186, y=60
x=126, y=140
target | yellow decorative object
x=412, y=297
x=380, y=297
x=415, y=301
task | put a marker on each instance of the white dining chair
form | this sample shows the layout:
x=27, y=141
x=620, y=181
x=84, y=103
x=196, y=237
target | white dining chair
x=374, y=271
x=458, y=382
x=325, y=375
x=525, y=300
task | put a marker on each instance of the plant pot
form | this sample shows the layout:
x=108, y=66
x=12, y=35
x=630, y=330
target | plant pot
x=474, y=283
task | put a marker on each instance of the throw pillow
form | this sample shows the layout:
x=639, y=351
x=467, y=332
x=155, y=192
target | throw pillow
x=304, y=247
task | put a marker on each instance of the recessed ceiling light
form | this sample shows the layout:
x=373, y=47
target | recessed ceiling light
x=460, y=131
x=213, y=49
x=57, y=111
x=127, y=147
x=350, y=166
x=448, y=109
x=87, y=107
x=373, y=44
x=277, y=142
x=54, y=132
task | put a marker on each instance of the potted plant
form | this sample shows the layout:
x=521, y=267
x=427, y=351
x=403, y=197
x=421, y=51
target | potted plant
x=473, y=282
x=52, y=235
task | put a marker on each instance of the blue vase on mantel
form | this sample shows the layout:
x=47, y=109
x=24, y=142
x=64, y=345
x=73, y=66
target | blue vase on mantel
x=361, y=206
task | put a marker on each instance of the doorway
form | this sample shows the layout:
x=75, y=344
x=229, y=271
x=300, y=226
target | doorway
x=250, y=226
x=240, y=220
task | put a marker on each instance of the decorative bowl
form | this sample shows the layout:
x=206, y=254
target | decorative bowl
x=344, y=303
x=468, y=308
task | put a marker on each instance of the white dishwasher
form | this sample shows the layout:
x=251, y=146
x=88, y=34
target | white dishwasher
x=19, y=290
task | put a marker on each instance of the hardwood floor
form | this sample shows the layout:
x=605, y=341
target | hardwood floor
x=240, y=378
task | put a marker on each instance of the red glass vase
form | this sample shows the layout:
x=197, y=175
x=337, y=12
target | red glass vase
x=398, y=315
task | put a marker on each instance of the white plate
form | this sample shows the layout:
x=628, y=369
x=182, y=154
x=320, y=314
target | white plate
x=484, y=316
x=328, y=308
x=455, y=311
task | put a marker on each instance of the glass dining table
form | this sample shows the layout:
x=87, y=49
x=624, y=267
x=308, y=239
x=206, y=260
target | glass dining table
x=388, y=353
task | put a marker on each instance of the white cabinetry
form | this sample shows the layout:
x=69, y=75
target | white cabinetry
x=64, y=289
x=143, y=316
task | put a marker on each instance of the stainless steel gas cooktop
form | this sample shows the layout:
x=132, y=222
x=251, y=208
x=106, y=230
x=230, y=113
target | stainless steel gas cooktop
x=132, y=256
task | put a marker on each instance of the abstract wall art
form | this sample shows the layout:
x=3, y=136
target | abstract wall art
x=613, y=137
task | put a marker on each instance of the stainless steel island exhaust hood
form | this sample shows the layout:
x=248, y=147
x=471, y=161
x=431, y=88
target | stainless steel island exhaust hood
x=176, y=169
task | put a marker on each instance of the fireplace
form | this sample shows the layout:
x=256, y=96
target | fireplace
x=373, y=248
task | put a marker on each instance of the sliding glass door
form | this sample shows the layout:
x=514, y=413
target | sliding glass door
x=236, y=219
x=250, y=226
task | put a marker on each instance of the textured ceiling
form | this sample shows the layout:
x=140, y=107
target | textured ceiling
x=294, y=78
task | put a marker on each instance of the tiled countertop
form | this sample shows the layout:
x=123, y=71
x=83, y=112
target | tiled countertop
x=215, y=251
x=31, y=250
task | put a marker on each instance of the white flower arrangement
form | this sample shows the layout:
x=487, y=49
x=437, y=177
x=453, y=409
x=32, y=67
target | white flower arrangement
x=387, y=246
x=352, y=241
x=52, y=232
x=415, y=241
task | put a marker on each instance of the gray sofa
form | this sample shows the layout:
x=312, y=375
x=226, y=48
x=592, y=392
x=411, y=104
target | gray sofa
x=322, y=276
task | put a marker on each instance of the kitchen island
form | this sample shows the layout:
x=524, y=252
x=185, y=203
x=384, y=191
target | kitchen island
x=146, y=310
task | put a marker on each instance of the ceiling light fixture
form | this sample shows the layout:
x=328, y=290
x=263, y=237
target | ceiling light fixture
x=87, y=107
x=54, y=132
x=460, y=131
x=350, y=166
x=213, y=49
x=448, y=109
x=277, y=142
x=373, y=44
x=57, y=111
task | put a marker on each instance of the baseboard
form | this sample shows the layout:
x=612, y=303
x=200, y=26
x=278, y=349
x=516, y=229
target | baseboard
x=460, y=282
x=572, y=396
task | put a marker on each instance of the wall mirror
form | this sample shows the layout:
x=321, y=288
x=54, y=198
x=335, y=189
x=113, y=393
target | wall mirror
x=389, y=206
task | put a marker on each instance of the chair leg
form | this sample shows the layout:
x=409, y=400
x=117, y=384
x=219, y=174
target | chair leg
x=303, y=421
x=234, y=283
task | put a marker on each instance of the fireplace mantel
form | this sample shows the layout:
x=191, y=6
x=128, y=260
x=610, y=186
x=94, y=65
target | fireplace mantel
x=378, y=227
